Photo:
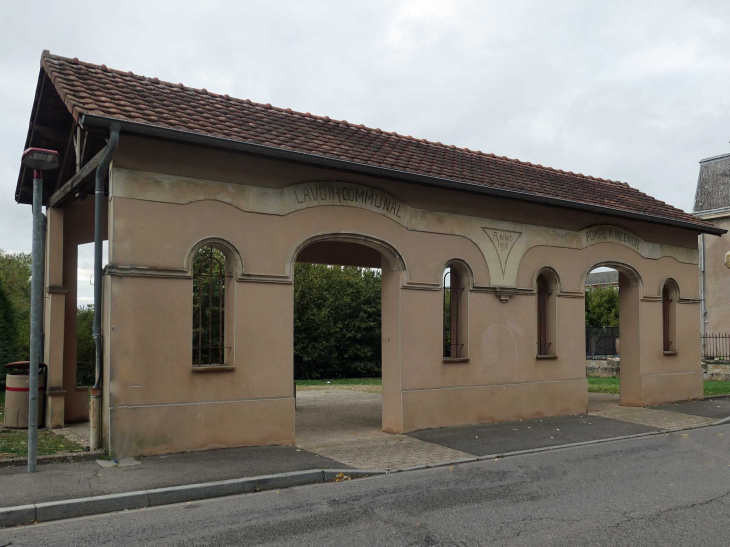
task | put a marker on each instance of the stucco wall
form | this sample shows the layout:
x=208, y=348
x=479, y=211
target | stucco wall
x=717, y=280
x=165, y=200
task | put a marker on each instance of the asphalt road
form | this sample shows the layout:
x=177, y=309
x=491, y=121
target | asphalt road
x=669, y=489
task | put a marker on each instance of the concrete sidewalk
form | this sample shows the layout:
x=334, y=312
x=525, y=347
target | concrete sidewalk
x=331, y=439
x=61, y=481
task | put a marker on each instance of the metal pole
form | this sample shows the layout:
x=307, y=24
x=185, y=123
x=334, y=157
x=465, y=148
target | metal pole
x=36, y=294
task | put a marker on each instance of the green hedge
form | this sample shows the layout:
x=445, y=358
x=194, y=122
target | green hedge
x=336, y=322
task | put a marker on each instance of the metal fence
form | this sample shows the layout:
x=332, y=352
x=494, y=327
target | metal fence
x=716, y=346
x=602, y=341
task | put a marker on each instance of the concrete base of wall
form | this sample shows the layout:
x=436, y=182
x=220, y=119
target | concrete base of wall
x=659, y=389
x=432, y=408
x=163, y=429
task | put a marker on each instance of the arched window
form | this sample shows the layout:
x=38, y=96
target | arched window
x=209, y=307
x=547, y=289
x=456, y=312
x=670, y=295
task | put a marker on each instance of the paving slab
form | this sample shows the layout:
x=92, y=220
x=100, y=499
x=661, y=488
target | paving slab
x=710, y=408
x=61, y=481
x=499, y=438
x=346, y=426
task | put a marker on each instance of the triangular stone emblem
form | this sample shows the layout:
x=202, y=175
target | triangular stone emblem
x=503, y=241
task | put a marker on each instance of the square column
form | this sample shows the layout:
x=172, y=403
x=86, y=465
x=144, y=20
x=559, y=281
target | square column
x=54, y=319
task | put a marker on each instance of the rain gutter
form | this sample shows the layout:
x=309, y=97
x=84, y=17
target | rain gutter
x=101, y=172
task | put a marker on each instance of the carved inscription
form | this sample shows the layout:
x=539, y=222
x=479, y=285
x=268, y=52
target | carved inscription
x=503, y=241
x=611, y=234
x=322, y=194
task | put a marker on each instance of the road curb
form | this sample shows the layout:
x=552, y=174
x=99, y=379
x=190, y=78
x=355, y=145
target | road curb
x=141, y=499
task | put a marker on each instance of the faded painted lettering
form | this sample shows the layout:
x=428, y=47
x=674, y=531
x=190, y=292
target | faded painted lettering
x=612, y=234
x=321, y=194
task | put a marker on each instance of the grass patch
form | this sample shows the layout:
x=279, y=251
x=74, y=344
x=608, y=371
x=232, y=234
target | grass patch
x=341, y=382
x=14, y=442
x=603, y=385
x=716, y=387
x=367, y=385
x=611, y=385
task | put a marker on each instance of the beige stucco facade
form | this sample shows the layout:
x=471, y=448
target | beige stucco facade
x=166, y=200
x=716, y=265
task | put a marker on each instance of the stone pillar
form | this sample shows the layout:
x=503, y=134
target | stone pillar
x=54, y=318
x=391, y=350
x=630, y=333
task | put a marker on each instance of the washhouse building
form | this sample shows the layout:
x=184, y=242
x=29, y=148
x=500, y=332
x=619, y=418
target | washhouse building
x=210, y=201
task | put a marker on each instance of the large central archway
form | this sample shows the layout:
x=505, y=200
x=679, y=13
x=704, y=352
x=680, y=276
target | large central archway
x=341, y=249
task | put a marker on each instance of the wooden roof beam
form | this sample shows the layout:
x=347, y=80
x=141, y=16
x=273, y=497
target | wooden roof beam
x=78, y=182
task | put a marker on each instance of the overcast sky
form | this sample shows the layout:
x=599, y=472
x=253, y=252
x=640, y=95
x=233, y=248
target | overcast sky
x=633, y=91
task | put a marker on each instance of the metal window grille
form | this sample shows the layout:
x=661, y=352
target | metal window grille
x=716, y=346
x=602, y=341
x=543, y=293
x=209, y=303
x=666, y=317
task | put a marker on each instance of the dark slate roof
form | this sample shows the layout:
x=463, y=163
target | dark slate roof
x=713, y=185
x=97, y=92
x=602, y=278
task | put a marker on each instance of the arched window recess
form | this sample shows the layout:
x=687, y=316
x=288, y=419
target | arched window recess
x=456, y=281
x=670, y=296
x=547, y=292
x=212, y=300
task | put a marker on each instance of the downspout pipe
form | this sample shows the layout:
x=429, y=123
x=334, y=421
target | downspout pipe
x=101, y=172
x=703, y=304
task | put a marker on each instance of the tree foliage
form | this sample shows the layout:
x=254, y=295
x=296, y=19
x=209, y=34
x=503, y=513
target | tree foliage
x=336, y=322
x=602, y=307
x=15, y=271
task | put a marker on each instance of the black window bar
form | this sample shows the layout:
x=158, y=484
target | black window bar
x=209, y=299
x=452, y=347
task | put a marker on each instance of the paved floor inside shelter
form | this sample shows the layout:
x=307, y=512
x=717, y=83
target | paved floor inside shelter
x=345, y=425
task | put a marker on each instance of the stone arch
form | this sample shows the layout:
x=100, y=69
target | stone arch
x=671, y=281
x=628, y=270
x=464, y=265
x=392, y=255
x=551, y=271
x=226, y=247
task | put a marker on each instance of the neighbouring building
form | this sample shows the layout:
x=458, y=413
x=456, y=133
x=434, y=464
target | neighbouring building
x=211, y=201
x=712, y=204
x=602, y=279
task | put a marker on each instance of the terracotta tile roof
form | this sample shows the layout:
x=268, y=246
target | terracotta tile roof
x=97, y=90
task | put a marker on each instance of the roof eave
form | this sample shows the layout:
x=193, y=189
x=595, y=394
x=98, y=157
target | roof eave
x=93, y=120
x=29, y=135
